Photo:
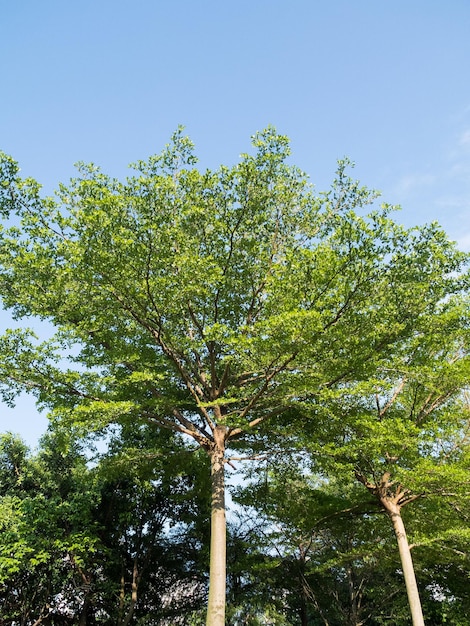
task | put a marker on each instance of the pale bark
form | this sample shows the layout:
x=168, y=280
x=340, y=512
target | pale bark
x=126, y=619
x=217, y=574
x=407, y=566
x=393, y=497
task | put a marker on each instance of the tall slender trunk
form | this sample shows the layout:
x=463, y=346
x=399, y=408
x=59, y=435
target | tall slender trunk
x=125, y=619
x=303, y=610
x=407, y=565
x=217, y=573
x=303, y=586
x=392, y=498
x=354, y=608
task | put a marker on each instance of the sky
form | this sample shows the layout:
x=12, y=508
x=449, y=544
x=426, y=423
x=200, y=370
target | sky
x=108, y=81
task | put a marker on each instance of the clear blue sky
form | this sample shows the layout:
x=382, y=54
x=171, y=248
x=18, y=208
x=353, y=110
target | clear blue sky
x=386, y=83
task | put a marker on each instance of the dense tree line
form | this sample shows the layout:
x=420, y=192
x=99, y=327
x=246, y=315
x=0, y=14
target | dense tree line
x=203, y=318
x=123, y=539
x=101, y=543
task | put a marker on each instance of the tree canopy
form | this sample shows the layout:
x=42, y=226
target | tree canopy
x=221, y=305
x=210, y=294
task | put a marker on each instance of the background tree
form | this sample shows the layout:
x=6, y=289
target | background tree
x=47, y=537
x=324, y=554
x=153, y=516
x=208, y=303
x=407, y=430
x=116, y=542
x=321, y=549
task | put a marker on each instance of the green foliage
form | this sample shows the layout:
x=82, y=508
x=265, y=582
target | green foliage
x=235, y=304
x=190, y=299
x=323, y=550
x=74, y=540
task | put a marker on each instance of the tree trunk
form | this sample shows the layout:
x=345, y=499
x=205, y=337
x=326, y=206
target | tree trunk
x=303, y=610
x=392, y=498
x=126, y=619
x=83, y=620
x=217, y=573
x=353, y=604
x=303, y=587
x=407, y=564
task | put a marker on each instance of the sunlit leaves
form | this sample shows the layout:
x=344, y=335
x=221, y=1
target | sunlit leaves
x=227, y=295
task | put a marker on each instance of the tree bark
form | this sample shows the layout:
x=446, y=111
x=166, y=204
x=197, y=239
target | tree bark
x=217, y=573
x=392, y=501
x=407, y=564
x=303, y=610
x=126, y=619
x=83, y=620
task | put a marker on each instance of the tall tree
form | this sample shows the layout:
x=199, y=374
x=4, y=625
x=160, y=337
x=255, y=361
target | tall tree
x=324, y=553
x=407, y=429
x=208, y=302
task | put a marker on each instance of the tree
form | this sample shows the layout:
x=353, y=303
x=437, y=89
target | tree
x=153, y=514
x=407, y=429
x=208, y=303
x=326, y=556
x=46, y=535
x=325, y=553
x=108, y=544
